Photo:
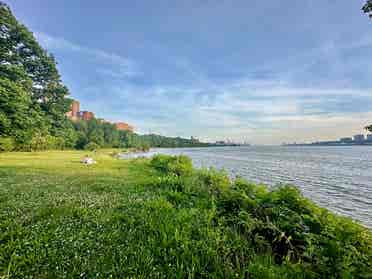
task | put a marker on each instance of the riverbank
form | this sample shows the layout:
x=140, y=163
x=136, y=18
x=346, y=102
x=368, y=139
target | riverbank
x=161, y=218
x=337, y=178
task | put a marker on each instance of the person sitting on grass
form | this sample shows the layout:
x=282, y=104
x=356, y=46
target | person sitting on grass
x=88, y=160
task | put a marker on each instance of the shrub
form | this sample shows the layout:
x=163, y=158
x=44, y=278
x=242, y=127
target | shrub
x=91, y=146
x=177, y=165
x=171, y=182
x=298, y=238
x=145, y=148
x=6, y=144
x=41, y=141
x=215, y=181
x=293, y=229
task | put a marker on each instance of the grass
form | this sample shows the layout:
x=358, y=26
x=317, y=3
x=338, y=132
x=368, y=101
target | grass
x=121, y=218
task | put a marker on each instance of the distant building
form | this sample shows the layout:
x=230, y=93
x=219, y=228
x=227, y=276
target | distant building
x=369, y=137
x=346, y=140
x=75, y=114
x=86, y=115
x=359, y=138
x=122, y=126
x=75, y=108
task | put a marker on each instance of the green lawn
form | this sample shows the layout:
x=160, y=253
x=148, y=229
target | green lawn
x=59, y=217
x=124, y=218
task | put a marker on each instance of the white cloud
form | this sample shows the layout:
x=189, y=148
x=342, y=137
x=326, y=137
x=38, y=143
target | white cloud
x=265, y=111
x=121, y=66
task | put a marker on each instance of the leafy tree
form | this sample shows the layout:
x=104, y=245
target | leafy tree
x=19, y=119
x=91, y=146
x=6, y=144
x=33, y=96
x=367, y=8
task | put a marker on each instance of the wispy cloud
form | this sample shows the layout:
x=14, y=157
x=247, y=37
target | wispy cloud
x=257, y=78
x=121, y=67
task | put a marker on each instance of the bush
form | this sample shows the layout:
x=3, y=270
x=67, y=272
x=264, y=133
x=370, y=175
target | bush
x=177, y=165
x=40, y=141
x=214, y=181
x=293, y=229
x=91, y=146
x=297, y=237
x=144, y=148
x=6, y=144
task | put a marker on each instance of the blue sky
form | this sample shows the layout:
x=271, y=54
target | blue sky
x=266, y=72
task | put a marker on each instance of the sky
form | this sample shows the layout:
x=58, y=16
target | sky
x=264, y=72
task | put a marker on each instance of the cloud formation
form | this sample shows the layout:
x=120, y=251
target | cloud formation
x=224, y=70
x=123, y=66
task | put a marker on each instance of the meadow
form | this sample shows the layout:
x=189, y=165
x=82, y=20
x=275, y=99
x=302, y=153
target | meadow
x=161, y=218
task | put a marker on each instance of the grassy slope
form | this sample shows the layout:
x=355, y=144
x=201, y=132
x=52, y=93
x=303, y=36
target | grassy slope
x=59, y=218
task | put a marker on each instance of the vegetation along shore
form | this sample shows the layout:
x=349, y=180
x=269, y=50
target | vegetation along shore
x=161, y=218
x=140, y=218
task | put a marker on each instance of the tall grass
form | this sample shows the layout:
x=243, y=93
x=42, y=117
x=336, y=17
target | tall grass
x=163, y=219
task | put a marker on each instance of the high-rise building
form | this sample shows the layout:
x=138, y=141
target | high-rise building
x=74, y=113
x=75, y=108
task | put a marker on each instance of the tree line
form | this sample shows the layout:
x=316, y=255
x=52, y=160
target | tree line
x=95, y=133
x=34, y=101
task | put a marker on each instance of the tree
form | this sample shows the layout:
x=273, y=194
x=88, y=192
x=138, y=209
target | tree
x=367, y=8
x=19, y=119
x=29, y=75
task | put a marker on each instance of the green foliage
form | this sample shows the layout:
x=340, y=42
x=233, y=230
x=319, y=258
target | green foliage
x=6, y=144
x=177, y=165
x=161, y=141
x=45, y=142
x=300, y=237
x=15, y=105
x=91, y=146
x=367, y=8
x=125, y=219
x=294, y=230
x=106, y=135
x=213, y=181
x=33, y=100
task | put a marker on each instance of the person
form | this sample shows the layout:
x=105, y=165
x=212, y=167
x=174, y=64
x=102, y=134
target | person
x=88, y=160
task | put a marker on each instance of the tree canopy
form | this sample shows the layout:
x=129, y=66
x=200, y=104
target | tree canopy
x=367, y=8
x=33, y=99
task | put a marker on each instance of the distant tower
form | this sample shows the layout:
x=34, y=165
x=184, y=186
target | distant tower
x=75, y=108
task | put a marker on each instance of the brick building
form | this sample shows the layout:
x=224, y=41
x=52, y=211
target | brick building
x=75, y=114
x=122, y=126
x=86, y=115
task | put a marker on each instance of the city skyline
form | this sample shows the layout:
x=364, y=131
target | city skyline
x=211, y=70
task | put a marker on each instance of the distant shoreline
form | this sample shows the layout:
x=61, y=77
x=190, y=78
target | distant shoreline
x=330, y=144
